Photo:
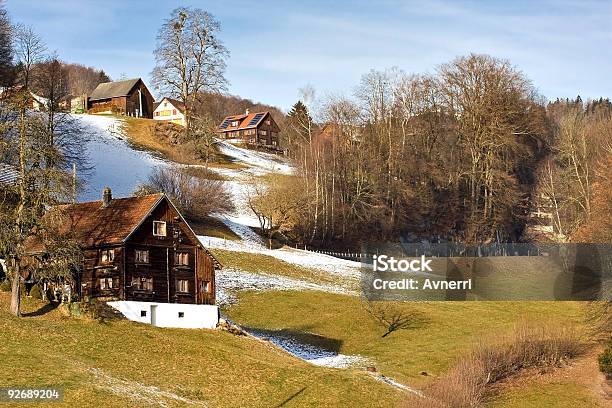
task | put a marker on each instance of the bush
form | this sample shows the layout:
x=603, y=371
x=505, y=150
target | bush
x=5, y=286
x=195, y=197
x=36, y=292
x=467, y=383
x=605, y=361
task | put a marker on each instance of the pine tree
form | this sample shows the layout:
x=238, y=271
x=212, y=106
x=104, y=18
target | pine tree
x=6, y=51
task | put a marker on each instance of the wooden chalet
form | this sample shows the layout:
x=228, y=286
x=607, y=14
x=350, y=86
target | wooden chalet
x=130, y=97
x=138, y=249
x=257, y=128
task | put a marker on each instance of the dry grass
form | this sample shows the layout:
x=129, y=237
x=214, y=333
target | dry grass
x=468, y=383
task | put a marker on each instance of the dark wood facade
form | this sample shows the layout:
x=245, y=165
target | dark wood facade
x=138, y=249
x=253, y=128
x=132, y=98
x=175, y=269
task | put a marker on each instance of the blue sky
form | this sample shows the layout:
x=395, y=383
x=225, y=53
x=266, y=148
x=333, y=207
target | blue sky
x=278, y=47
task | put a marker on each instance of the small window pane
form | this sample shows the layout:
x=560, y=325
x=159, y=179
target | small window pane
x=159, y=228
x=141, y=256
x=183, y=286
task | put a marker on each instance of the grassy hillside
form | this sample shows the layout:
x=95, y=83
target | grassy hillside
x=167, y=139
x=116, y=364
x=440, y=332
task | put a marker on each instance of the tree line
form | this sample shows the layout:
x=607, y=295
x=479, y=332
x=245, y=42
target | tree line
x=467, y=154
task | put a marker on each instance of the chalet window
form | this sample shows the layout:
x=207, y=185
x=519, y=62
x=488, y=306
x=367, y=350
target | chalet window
x=107, y=255
x=235, y=123
x=205, y=286
x=181, y=315
x=109, y=283
x=263, y=132
x=142, y=283
x=156, y=113
x=174, y=111
x=141, y=256
x=159, y=228
x=274, y=143
x=181, y=258
x=182, y=285
x=268, y=122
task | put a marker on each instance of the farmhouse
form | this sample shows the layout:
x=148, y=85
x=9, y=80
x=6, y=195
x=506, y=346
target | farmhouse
x=253, y=128
x=170, y=110
x=137, y=249
x=129, y=97
x=33, y=101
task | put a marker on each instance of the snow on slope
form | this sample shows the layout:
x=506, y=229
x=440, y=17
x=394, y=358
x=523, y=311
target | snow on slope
x=115, y=163
x=229, y=281
x=259, y=161
x=332, y=265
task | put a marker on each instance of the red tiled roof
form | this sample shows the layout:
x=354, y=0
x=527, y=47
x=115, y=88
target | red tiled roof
x=95, y=225
x=244, y=121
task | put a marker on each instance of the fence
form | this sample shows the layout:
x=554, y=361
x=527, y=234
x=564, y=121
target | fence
x=445, y=250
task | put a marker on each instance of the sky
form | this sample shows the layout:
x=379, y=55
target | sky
x=278, y=47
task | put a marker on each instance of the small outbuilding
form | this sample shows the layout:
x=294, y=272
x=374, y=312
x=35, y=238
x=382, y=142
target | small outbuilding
x=130, y=97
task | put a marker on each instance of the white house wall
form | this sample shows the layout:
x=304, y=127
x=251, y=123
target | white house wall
x=167, y=314
x=179, y=118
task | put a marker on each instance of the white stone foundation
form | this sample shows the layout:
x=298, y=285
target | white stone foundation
x=186, y=316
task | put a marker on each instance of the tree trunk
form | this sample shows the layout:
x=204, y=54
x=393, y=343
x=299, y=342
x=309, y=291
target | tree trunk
x=16, y=292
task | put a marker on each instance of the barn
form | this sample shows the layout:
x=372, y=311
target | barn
x=130, y=97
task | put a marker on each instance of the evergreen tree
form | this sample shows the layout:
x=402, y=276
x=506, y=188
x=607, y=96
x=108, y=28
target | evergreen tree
x=6, y=50
x=299, y=126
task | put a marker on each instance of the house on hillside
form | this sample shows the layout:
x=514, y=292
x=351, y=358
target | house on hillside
x=257, y=128
x=170, y=110
x=129, y=97
x=35, y=102
x=141, y=256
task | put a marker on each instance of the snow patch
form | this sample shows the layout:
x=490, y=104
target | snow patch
x=115, y=163
x=309, y=353
x=230, y=280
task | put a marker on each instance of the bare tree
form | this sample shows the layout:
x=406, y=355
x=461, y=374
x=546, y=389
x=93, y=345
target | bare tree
x=190, y=58
x=195, y=196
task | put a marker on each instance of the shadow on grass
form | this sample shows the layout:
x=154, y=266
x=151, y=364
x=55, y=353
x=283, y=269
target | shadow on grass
x=282, y=404
x=299, y=337
x=49, y=307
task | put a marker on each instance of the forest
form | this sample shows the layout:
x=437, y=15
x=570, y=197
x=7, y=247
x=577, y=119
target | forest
x=470, y=154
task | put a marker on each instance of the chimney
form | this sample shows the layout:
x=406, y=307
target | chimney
x=107, y=197
x=247, y=111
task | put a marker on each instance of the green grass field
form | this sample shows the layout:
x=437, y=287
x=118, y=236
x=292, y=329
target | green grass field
x=115, y=364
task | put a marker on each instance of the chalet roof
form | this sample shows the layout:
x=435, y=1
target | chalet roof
x=8, y=174
x=94, y=225
x=175, y=102
x=245, y=121
x=107, y=90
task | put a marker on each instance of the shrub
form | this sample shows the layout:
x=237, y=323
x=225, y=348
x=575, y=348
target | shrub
x=194, y=196
x=5, y=286
x=467, y=383
x=605, y=361
x=36, y=292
